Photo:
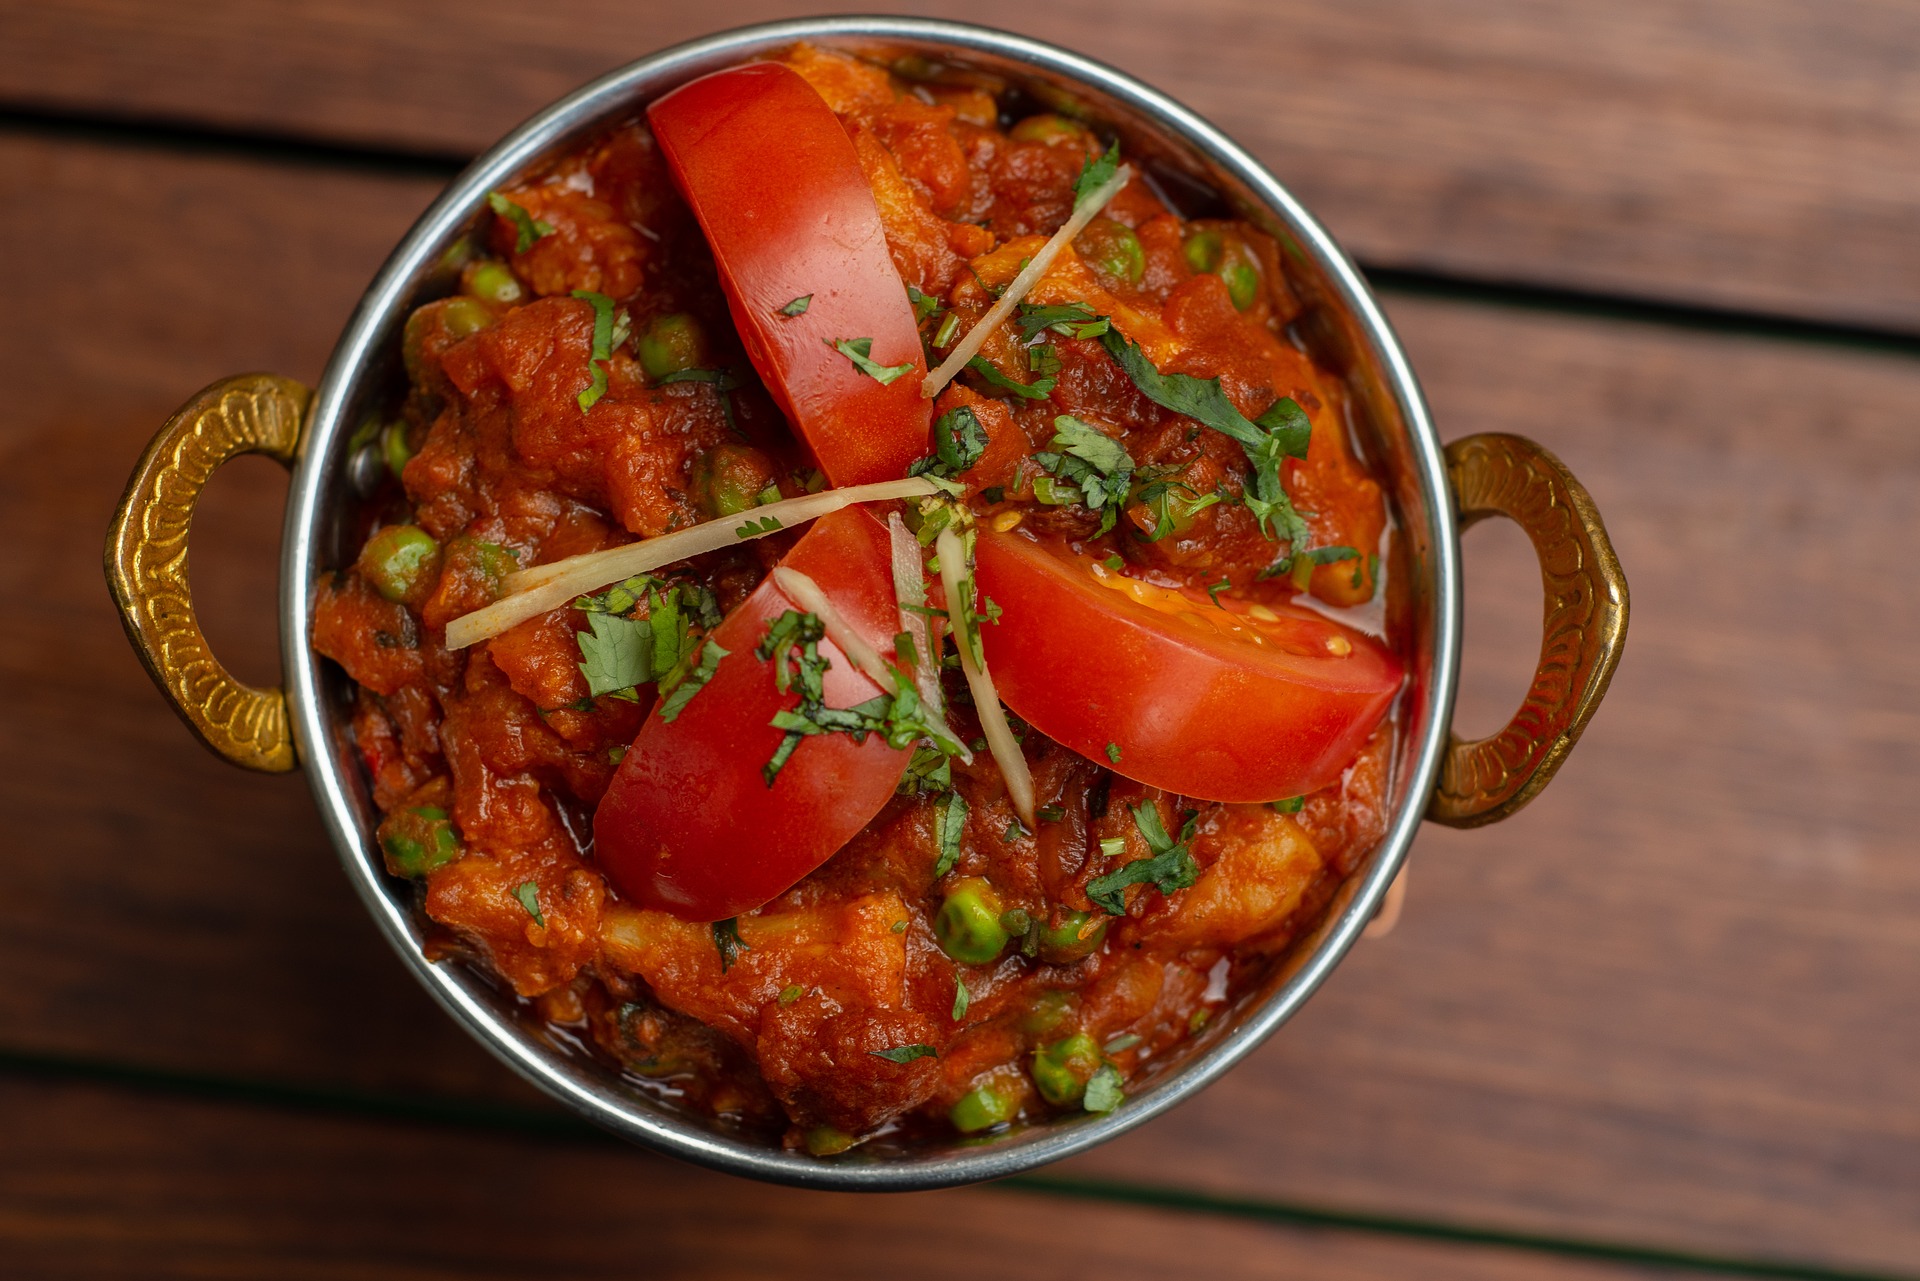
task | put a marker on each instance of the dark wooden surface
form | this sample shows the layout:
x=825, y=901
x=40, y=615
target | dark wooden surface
x=1667, y=1009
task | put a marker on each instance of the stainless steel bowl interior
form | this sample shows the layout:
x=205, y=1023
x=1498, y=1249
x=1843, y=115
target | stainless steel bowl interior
x=1346, y=331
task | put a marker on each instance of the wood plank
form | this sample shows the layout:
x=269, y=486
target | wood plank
x=1740, y=153
x=1666, y=1004
x=95, y=1187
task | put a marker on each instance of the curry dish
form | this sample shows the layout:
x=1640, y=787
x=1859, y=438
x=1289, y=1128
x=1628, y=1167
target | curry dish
x=996, y=701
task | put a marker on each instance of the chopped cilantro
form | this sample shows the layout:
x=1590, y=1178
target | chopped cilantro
x=1036, y=390
x=960, y=1000
x=619, y=652
x=860, y=352
x=1103, y=1090
x=1214, y=590
x=798, y=307
x=1071, y=320
x=1096, y=173
x=1316, y=556
x=528, y=229
x=930, y=770
x=755, y=528
x=1115, y=562
x=616, y=655
x=792, y=643
x=1281, y=432
x=1050, y=814
x=726, y=937
x=1014, y=831
x=1292, y=805
x=529, y=895
x=690, y=682
x=1043, y=360
x=949, y=825
x=1173, y=505
x=994, y=493
x=1171, y=867
x=958, y=442
x=603, y=344
x=924, y=305
x=722, y=379
x=906, y=1053
x=1113, y=752
x=1085, y=466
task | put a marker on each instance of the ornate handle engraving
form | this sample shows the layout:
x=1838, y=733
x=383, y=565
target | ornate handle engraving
x=1586, y=625
x=147, y=562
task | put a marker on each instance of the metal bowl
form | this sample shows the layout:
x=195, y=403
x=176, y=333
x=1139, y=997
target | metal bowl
x=1434, y=492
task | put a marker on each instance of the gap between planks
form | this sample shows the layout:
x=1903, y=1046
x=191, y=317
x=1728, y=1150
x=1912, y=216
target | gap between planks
x=560, y=1127
x=279, y=147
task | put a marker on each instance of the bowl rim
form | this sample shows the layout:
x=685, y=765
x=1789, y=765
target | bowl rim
x=460, y=992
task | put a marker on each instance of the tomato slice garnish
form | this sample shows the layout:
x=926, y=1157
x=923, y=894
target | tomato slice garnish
x=689, y=824
x=1248, y=703
x=777, y=186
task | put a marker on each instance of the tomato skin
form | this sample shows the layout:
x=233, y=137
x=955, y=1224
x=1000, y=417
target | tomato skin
x=777, y=186
x=1191, y=710
x=689, y=824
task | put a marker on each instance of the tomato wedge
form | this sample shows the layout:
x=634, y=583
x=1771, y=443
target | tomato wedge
x=689, y=824
x=777, y=186
x=1212, y=702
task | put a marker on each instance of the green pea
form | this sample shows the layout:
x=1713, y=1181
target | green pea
x=968, y=923
x=1204, y=250
x=395, y=448
x=1051, y=129
x=730, y=479
x=464, y=316
x=1076, y=936
x=824, y=1140
x=493, y=281
x=982, y=1108
x=671, y=343
x=1061, y=1070
x=488, y=562
x=418, y=840
x=401, y=561
x=1049, y=1010
x=1112, y=249
x=1243, y=284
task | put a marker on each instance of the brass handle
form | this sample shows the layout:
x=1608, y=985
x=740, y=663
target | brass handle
x=1586, y=625
x=147, y=562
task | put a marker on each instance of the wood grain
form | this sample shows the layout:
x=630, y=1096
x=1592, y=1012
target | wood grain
x=1741, y=153
x=95, y=1187
x=1669, y=1003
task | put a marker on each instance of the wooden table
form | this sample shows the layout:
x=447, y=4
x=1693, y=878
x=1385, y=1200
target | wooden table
x=1661, y=1023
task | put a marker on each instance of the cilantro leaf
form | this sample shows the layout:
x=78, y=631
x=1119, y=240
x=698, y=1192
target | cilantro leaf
x=1091, y=468
x=1171, y=867
x=528, y=229
x=1036, y=390
x=1069, y=320
x=755, y=528
x=603, y=345
x=1315, y=556
x=924, y=305
x=722, y=379
x=681, y=692
x=1281, y=432
x=860, y=352
x=798, y=307
x=958, y=442
x=1103, y=1090
x=1096, y=173
x=949, y=825
x=529, y=895
x=616, y=655
x=726, y=937
x=1113, y=752
x=961, y=998
x=906, y=1053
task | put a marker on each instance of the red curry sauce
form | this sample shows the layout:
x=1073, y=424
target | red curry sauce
x=488, y=763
